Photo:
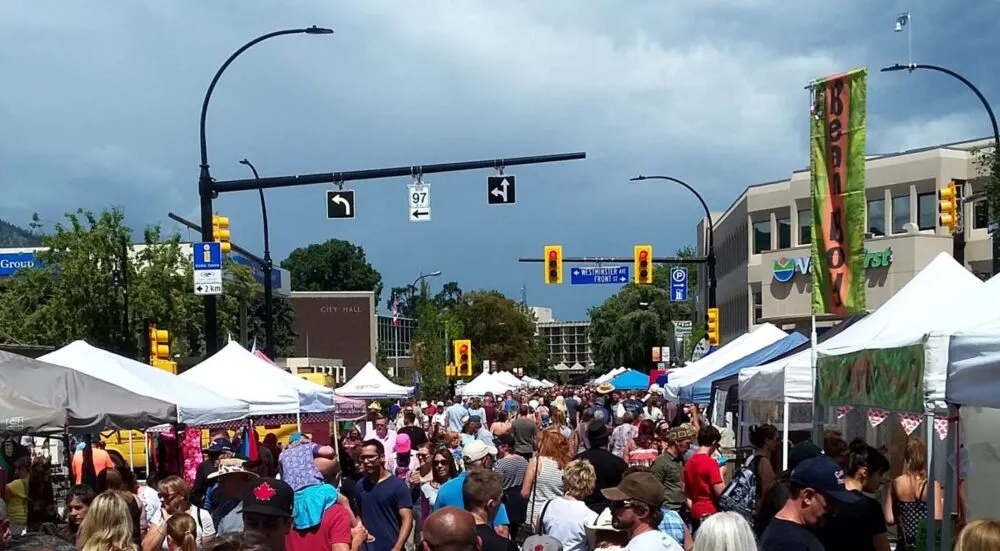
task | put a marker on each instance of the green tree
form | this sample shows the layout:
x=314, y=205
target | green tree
x=626, y=326
x=987, y=164
x=79, y=290
x=284, y=325
x=335, y=265
x=501, y=330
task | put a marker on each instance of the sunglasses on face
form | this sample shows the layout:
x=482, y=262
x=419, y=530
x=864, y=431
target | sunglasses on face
x=440, y=462
x=380, y=425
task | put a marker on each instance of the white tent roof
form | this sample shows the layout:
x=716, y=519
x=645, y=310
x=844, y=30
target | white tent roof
x=269, y=390
x=509, y=379
x=533, y=382
x=741, y=347
x=196, y=405
x=902, y=320
x=483, y=383
x=609, y=375
x=548, y=383
x=371, y=383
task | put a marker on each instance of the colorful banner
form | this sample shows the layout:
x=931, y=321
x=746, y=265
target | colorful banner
x=837, y=138
x=887, y=378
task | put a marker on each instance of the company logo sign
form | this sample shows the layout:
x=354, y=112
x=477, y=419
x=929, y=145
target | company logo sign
x=12, y=262
x=785, y=268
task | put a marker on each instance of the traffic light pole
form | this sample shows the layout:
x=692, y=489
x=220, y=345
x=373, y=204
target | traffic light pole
x=608, y=259
x=994, y=216
x=710, y=258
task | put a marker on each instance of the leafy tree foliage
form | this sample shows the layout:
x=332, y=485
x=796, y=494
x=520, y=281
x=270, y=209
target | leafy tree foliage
x=79, y=290
x=335, y=265
x=987, y=164
x=407, y=298
x=501, y=330
x=284, y=324
x=626, y=326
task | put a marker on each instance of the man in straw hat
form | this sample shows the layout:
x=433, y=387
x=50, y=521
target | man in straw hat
x=233, y=478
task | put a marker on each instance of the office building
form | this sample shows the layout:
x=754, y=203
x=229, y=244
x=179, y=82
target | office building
x=762, y=241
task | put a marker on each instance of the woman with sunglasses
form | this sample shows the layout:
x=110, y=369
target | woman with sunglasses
x=175, y=494
x=442, y=469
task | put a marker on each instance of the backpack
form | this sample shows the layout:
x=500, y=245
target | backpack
x=740, y=496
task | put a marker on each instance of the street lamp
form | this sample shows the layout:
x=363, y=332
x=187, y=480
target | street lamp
x=413, y=286
x=205, y=191
x=710, y=257
x=910, y=67
x=268, y=269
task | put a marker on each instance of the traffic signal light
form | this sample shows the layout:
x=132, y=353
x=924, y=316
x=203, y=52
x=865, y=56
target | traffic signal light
x=220, y=232
x=712, y=326
x=643, y=261
x=159, y=349
x=553, y=264
x=450, y=370
x=463, y=357
x=948, y=205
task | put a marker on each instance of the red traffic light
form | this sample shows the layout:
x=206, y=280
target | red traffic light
x=553, y=255
x=643, y=255
x=464, y=349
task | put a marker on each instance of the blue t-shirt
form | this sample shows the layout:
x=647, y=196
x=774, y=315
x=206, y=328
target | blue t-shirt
x=511, y=405
x=380, y=505
x=454, y=414
x=450, y=495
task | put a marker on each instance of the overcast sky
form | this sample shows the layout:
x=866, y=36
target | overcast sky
x=99, y=106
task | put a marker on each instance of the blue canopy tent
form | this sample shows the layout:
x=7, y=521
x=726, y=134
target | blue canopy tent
x=700, y=391
x=631, y=380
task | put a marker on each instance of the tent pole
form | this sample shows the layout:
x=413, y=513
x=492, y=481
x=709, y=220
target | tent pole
x=931, y=482
x=784, y=435
x=817, y=405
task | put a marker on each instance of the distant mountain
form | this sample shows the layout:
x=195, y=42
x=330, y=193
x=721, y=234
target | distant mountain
x=13, y=236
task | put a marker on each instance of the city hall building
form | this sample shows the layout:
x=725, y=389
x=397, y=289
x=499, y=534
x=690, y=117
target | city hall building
x=762, y=241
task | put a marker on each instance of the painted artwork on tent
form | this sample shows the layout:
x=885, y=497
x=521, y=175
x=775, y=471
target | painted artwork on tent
x=837, y=149
x=889, y=378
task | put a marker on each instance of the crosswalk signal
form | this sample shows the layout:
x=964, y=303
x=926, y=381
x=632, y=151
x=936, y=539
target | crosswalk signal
x=948, y=206
x=553, y=264
x=712, y=326
x=220, y=232
x=643, y=260
x=463, y=357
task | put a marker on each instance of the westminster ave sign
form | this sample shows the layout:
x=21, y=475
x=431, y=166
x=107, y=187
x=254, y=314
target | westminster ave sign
x=785, y=268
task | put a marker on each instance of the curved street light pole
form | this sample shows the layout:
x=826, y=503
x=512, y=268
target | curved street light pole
x=413, y=286
x=910, y=67
x=268, y=269
x=205, y=189
x=710, y=256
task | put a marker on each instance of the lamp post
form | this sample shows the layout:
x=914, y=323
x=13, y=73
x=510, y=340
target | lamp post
x=910, y=67
x=205, y=189
x=413, y=286
x=710, y=256
x=268, y=268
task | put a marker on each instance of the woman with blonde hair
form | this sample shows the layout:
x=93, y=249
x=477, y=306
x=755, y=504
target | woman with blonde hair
x=565, y=518
x=107, y=526
x=906, y=505
x=182, y=533
x=175, y=494
x=726, y=531
x=543, y=479
x=979, y=535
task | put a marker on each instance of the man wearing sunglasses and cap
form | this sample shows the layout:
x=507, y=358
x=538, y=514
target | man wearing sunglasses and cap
x=816, y=487
x=635, y=506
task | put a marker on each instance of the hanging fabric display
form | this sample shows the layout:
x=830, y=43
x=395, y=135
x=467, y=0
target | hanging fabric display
x=910, y=422
x=191, y=453
x=941, y=427
x=876, y=416
x=843, y=411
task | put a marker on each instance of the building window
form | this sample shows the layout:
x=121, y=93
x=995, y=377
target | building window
x=876, y=217
x=761, y=236
x=784, y=233
x=927, y=211
x=980, y=215
x=758, y=307
x=805, y=226
x=900, y=213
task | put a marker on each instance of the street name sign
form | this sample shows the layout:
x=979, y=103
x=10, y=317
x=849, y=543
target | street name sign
x=599, y=275
x=419, y=202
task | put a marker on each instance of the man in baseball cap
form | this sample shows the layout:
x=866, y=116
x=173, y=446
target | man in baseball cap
x=636, y=509
x=816, y=487
x=267, y=510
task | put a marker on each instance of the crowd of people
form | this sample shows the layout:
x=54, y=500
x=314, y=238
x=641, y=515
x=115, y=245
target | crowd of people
x=572, y=469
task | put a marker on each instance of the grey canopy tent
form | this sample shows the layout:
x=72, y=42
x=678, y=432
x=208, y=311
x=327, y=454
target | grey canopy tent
x=39, y=398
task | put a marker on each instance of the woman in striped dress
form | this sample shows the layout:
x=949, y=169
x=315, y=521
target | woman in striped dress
x=543, y=479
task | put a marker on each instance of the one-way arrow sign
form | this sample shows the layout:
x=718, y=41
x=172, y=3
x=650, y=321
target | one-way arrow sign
x=501, y=190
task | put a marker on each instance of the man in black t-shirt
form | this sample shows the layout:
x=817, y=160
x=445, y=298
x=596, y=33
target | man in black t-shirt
x=482, y=493
x=817, y=487
x=608, y=467
x=417, y=435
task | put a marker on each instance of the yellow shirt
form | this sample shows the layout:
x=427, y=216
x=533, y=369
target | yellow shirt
x=17, y=501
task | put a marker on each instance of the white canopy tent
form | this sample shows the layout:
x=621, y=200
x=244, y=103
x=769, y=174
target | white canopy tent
x=370, y=383
x=548, y=383
x=237, y=373
x=196, y=405
x=533, y=382
x=742, y=346
x=609, y=375
x=483, y=383
x=509, y=379
x=902, y=320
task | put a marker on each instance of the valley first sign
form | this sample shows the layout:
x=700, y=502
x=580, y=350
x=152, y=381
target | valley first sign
x=785, y=268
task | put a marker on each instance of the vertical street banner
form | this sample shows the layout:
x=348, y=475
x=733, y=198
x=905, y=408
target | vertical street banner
x=837, y=149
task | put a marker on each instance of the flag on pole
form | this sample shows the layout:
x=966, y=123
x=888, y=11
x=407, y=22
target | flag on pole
x=395, y=312
x=837, y=147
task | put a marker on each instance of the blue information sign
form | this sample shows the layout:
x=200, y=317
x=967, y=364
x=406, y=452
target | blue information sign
x=598, y=275
x=678, y=283
x=208, y=256
x=12, y=262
